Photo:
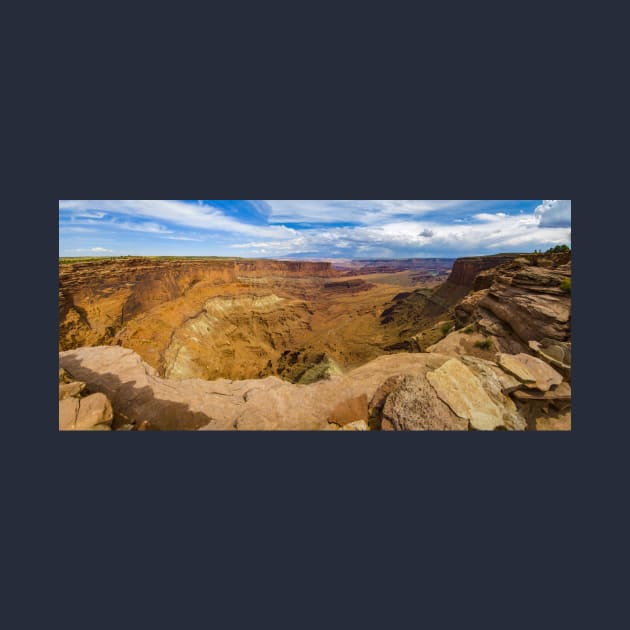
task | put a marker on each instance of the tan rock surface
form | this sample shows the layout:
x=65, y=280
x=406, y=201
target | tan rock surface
x=531, y=371
x=559, y=422
x=561, y=392
x=528, y=298
x=378, y=402
x=497, y=384
x=414, y=406
x=68, y=409
x=70, y=390
x=95, y=413
x=459, y=343
x=459, y=388
x=350, y=410
x=358, y=425
x=91, y=413
x=137, y=393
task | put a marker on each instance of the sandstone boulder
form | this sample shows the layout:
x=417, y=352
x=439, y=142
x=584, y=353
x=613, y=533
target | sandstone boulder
x=497, y=384
x=457, y=386
x=95, y=413
x=68, y=409
x=414, y=406
x=377, y=403
x=92, y=413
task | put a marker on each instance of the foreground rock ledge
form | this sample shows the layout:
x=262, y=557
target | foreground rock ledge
x=138, y=394
x=142, y=399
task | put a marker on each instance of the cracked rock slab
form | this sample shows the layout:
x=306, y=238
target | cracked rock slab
x=531, y=371
x=461, y=390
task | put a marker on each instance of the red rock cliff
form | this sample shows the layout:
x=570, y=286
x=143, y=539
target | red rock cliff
x=465, y=270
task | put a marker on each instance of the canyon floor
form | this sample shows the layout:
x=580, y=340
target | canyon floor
x=165, y=343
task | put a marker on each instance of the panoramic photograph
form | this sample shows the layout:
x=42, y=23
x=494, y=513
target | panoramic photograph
x=314, y=315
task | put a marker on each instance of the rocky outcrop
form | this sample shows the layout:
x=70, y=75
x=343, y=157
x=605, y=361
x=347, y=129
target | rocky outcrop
x=413, y=313
x=415, y=406
x=466, y=270
x=525, y=307
x=426, y=391
x=138, y=394
x=533, y=372
x=556, y=353
x=79, y=410
x=531, y=302
x=457, y=386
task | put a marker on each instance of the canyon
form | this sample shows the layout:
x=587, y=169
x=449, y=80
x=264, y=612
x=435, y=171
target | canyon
x=228, y=318
x=479, y=343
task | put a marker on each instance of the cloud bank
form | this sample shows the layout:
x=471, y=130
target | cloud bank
x=312, y=228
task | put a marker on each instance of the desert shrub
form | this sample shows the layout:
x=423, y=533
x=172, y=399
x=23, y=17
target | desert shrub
x=446, y=328
x=485, y=344
x=565, y=285
x=469, y=329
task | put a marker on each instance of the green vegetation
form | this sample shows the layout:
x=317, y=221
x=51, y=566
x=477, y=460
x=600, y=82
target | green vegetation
x=446, y=328
x=558, y=249
x=565, y=285
x=469, y=329
x=486, y=344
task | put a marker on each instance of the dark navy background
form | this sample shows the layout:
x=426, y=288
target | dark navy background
x=384, y=530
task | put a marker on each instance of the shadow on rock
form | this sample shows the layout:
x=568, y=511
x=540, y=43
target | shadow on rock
x=137, y=408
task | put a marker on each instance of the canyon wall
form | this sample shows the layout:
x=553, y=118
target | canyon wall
x=194, y=331
x=410, y=312
x=211, y=318
x=465, y=270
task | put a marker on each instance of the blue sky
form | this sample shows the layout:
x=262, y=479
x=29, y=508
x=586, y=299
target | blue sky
x=311, y=228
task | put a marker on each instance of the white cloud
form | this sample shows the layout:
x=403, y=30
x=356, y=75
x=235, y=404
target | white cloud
x=200, y=216
x=91, y=249
x=554, y=213
x=410, y=238
x=380, y=228
x=153, y=228
x=91, y=215
x=351, y=211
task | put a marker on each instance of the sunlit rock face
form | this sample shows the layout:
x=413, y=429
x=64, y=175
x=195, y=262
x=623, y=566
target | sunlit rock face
x=218, y=344
x=212, y=318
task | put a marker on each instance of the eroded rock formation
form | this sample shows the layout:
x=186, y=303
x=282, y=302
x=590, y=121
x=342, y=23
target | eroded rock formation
x=202, y=344
x=211, y=318
x=525, y=300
